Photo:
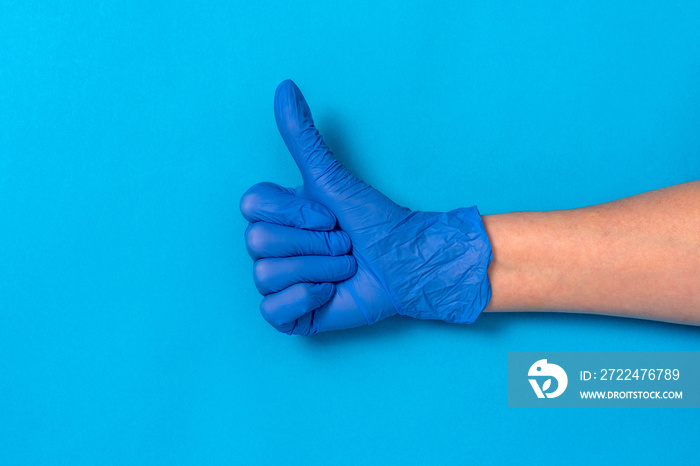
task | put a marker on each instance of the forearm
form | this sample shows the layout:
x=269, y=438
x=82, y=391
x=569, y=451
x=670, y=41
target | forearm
x=635, y=257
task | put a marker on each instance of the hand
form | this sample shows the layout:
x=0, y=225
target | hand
x=336, y=253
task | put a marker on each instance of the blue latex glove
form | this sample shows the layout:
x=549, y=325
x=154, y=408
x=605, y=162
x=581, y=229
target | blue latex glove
x=336, y=253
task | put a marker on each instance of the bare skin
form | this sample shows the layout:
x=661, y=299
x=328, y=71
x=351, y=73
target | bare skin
x=634, y=257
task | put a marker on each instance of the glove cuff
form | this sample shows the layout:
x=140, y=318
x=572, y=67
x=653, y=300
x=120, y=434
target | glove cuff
x=450, y=281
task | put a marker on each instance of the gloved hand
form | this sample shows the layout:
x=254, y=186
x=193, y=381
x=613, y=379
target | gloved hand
x=336, y=253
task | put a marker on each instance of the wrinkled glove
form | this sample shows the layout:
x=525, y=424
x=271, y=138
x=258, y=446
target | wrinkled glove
x=336, y=253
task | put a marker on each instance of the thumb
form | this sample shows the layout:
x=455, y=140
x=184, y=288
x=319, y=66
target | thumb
x=317, y=164
x=355, y=204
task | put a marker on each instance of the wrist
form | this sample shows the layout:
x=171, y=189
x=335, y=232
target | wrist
x=444, y=258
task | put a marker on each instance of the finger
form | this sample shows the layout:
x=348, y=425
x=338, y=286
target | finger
x=340, y=312
x=343, y=309
x=268, y=202
x=264, y=239
x=273, y=275
x=296, y=125
x=282, y=309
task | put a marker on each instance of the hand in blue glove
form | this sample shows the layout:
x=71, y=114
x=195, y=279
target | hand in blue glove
x=336, y=253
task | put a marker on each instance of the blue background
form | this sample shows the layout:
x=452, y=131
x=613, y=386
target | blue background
x=129, y=322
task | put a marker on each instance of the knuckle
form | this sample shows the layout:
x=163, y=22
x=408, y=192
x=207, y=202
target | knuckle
x=254, y=198
x=262, y=271
x=272, y=315
x=268, y=312
x=255, y=238
x=249, y=203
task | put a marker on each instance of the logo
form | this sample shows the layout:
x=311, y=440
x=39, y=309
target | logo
x=543, y=369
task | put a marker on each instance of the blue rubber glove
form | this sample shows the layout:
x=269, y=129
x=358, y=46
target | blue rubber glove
x=336, y=253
